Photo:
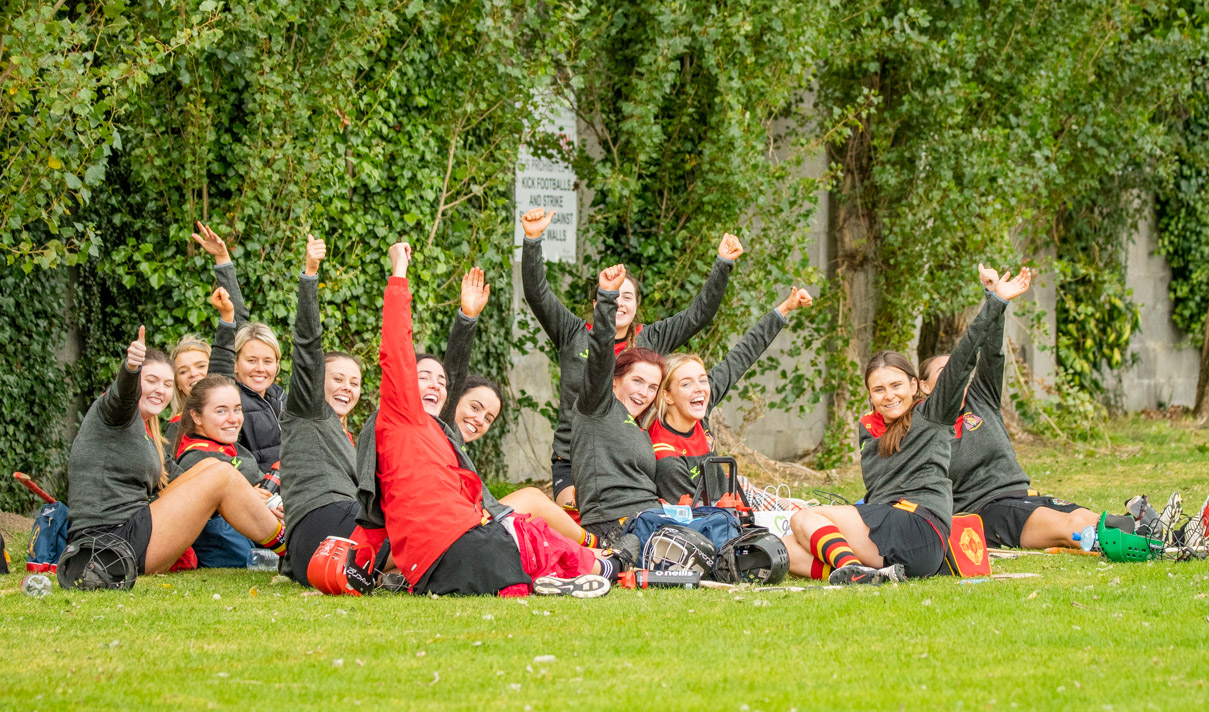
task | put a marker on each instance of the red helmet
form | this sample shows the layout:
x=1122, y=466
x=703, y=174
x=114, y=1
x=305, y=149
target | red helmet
x=333, y=568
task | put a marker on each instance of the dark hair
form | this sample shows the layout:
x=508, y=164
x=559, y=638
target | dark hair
x=330, y=356
x=474, y=380
x=925, y=366
x=891, y=441
x=198, y=397
x=626, y=362
x=424, y=356
x=632, y=334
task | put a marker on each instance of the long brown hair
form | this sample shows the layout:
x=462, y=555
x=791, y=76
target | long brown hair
x=891, y=441
x=196, y=402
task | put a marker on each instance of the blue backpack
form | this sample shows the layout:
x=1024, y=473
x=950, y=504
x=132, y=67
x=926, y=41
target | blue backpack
x=47, y=538
x=716, y=524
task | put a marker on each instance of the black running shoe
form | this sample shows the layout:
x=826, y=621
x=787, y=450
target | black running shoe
x=627, y=550
x=585, y=586
x=861, y=574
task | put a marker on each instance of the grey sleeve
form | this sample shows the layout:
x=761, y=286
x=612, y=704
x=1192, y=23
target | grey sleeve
x=225, y=274
x=119, y=406
x=457, y=360
x=596, y=392
x=222, y=351
x=306, y=383
x=667, y=335
x=556, y=319
x=944, y=405
x=987, y=385
x=744, y=354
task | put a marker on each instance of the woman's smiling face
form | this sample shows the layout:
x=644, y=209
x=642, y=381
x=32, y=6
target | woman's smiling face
x=892, y=392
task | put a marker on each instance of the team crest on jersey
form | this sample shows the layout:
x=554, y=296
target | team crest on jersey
x=583, y=354
x=1059, y=502
x=629, y=420
x=693, y=473
x=972, y=422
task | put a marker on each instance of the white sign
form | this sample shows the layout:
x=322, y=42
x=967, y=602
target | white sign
x=549, y=184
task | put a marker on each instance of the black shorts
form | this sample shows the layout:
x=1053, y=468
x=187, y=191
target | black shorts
x=906, y=538
x=136, y=531
x=1003, y=519
x=560, y=474
x=607, y=533
x=483, y=561
x=335, y=519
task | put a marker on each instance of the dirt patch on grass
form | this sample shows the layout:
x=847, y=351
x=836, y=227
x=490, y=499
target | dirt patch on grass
x=11, y=524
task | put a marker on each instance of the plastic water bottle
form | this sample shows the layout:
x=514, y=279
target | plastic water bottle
x=35, y=585
x=262, y=560
x=1088, y=538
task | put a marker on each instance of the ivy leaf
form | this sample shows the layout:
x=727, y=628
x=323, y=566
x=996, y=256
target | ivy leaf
x=73, y=181
x=95, y=174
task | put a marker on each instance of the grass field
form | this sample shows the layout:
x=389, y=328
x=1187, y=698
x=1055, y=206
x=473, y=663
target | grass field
x=1084, y=635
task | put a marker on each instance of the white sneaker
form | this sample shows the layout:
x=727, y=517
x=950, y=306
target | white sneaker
x=1168, y=517
x=585, y=586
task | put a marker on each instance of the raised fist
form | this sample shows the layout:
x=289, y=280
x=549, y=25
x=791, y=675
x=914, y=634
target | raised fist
x=400, y=258
x=611, y=278
x=316, y=250
x=136, y=353
x=221, y=300
x=535, y=222
x=730, y=248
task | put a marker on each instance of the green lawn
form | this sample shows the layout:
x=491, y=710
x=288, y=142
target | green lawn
x=1085, y=635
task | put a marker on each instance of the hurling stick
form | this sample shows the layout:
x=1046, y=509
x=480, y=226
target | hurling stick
x=33, y=486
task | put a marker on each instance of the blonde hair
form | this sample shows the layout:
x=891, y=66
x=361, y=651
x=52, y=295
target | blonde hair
x=188, y=343
x=673, y=362
x=153, y=424
x=257, y=331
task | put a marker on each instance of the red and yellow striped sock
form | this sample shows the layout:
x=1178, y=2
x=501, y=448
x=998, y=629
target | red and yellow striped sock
x=587, y=539
x=829, y=546
x=819, y=571
x=277, y=541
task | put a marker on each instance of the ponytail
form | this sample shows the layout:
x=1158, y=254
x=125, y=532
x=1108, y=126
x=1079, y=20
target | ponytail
x=196, y=401
x=890, y=441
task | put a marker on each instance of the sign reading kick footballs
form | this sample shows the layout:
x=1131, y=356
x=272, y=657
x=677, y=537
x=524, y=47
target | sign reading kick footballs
x=549, y=183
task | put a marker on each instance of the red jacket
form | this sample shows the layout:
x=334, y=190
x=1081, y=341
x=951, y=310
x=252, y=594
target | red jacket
x=428, y=500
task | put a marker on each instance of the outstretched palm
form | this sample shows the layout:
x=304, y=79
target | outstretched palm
x=212, y=243
x=1008, y=287
x=475, y=292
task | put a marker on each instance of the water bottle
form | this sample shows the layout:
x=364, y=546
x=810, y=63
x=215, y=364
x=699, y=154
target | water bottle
x=1088, y=538
x=35, y=585
x=262, y=560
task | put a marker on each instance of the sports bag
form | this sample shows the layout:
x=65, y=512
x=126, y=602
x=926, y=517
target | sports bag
x=47, y=538
x=716, y=524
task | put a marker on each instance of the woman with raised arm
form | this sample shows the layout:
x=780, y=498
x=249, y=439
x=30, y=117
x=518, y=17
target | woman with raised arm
x=987, y=478
x=249, y=352
x=906, y=446
x=680, y=432
x=571, y=335
x=318, y=457
x=117, y=466
x=613, y=464
x=441, y=538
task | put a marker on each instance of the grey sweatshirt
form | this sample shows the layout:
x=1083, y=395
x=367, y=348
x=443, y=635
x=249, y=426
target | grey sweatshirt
x=242, y=461
x=680, y=457
x=318, y=460
x=612, y=462
x=919, y=471
x=113, y=468
x=572, y=337
x=984, y=466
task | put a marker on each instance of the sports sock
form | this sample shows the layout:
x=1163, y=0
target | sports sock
x=277, y=541
x=829, y=546
x=819, y=570
x=609, y=568
x=587, y=538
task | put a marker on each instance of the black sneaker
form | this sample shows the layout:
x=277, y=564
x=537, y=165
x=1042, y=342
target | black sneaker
x=1143, y=514
x=627, y=550
x=585, y=586
x=861, y=574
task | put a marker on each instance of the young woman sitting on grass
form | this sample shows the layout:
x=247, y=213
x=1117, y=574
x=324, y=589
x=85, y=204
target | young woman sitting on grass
x=987, y=479
x=209, y=428
x=442, y=540
x=191, y=362
x=248, y=352
x=318, y=454
x=611, y=457
x=117, y=475
x=906, y=447
x=572, y=335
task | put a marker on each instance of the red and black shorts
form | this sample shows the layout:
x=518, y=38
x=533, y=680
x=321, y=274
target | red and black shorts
x=1003, y=519
x=915, y=539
